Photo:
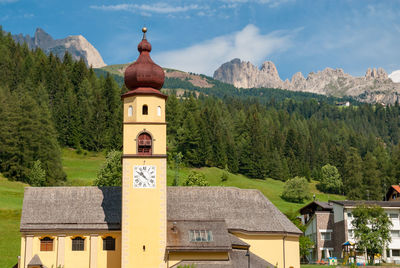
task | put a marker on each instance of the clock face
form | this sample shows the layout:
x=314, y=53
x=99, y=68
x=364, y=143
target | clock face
x=144, y=176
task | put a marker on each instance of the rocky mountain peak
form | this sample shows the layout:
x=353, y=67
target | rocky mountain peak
x=76, y=45
x=374, y=87
x=376, y=74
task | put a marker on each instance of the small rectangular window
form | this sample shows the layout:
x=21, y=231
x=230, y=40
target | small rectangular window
x=325, y=236
x=78, y=244
x=46, y=244
x=200, y=236
x=395, y=233
x=109, y=243
x=395, y=252
x=394, y=216
x=349, y=215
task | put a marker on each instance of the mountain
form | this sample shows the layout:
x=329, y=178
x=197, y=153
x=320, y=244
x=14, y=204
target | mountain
x=395, y=76
x=374, y=87
x=76, y=45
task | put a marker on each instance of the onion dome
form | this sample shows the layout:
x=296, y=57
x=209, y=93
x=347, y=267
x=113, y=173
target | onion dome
x=144, y=73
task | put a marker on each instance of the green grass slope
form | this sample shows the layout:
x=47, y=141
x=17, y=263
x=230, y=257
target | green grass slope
x=11, y=194
x=272, y=189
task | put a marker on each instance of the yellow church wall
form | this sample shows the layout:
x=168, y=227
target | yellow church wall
x=48, y=258
x=270, y=248
x=175, y=257
x=109, y=258
x=157, y=132
x=75, y=259
x=137, y=103
x=22, y=253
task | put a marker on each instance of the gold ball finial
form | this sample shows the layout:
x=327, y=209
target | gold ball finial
x=144, y=29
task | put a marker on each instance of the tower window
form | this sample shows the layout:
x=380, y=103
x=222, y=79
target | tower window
x=159, y=111
x=145, y=109
x=108, y=243
x=78, y=244
x=130, y=110
x=46, y=244
x=144, y=144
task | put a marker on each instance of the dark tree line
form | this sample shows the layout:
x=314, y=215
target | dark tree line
x=290, y=138
x=47, y=103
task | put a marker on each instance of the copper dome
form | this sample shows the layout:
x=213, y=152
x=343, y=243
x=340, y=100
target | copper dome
x=144, y=72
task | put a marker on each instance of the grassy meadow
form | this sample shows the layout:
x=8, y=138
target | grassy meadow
x=81, y=170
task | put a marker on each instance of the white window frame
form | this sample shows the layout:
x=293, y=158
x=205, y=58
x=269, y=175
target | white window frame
x=130, y=110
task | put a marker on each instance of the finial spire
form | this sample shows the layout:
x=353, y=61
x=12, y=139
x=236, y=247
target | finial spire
x=144, y=30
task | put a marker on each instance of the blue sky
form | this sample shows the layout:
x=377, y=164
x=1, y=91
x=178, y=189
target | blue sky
x=198, y=36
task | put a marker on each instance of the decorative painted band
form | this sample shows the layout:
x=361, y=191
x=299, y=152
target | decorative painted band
x=144, y=156
x=145, y=123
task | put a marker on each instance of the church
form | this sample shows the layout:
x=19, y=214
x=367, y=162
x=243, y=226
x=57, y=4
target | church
x=144, y=223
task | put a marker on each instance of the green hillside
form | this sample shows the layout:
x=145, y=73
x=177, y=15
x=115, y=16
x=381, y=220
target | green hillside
x=81, y=169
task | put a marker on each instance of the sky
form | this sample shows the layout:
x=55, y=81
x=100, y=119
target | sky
x=198, y=36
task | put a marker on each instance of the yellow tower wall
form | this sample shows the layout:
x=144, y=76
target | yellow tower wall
x=272, y=247
x=144, y=210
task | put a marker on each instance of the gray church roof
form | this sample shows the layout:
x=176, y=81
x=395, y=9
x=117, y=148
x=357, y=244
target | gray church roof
x=99, y=208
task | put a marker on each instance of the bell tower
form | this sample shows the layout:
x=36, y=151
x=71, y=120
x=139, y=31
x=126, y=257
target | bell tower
x=144, y=182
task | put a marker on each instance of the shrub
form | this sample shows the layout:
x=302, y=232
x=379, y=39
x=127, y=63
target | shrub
x=296, y=190
x=196, y=179
x=330, y=180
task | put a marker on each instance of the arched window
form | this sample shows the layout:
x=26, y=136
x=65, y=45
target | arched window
x=159, y=111
x=46, y=244
x=109, y=243
x=145, y=109
x=144, y=144
x=130, y=110
x=78, y=244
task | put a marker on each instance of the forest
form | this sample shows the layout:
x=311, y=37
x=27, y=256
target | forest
x=47, y=103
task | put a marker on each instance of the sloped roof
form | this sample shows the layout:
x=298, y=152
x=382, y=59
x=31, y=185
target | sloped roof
x=55, y=208
x=237, y=259
x=354, y=203
x=52, y=208
x=390, y=190
x=242, y=209
x=35, y=261
x=314, y=206
x=238, y=242
x=178, y=235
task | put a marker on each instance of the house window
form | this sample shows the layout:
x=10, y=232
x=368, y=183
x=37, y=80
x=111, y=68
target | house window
x=326, y=236
x=395, y=233
x=159, y=111
x=145, y=109
x=200, y=236
x=108, y=243
x=349, y=215
x=393, y=216
x=78, y=244
x=144, y=144
x=395, y=252
x=46, y=244
x=351, y=233
x=130, y=110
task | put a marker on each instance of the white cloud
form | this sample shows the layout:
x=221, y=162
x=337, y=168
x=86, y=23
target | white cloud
x=270, y=3
x=159, y=8
x=247, y=44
